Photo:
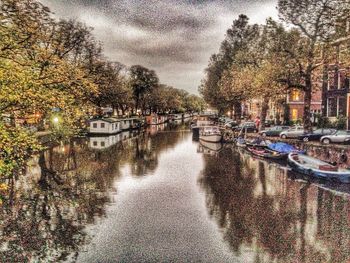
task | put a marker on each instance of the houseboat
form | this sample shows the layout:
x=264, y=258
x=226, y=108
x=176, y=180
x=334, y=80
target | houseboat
x=130, y=123
x=203, y=120
x=104, y=126
x=187, y=115
x=155, y=119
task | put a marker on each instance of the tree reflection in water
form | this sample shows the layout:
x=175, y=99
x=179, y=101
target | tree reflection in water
x=266, y=217
x=65, y=189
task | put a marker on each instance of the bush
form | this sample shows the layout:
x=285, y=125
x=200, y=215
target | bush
x=340, y=123
x=16, y=146
x=323, y=122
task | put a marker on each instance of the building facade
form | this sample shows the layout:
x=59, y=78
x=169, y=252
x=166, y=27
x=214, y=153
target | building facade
x=295, y=102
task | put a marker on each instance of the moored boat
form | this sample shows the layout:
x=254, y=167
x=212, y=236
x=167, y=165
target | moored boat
x=258, y=143
x=210, y=134
x=316, y=168
x=266, y=153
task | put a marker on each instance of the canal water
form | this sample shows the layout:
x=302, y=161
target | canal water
x=159, y=196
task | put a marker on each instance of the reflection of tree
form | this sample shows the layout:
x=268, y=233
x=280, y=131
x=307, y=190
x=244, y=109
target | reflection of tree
x=261, y=209
x=44, y=219
x=227, y=188
x=148, y=147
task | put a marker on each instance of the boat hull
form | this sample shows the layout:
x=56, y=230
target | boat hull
x=333, y=176
x=211, y=138
x=265, y=153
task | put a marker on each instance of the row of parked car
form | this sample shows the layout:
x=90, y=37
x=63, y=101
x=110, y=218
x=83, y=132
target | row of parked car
x=325, y=136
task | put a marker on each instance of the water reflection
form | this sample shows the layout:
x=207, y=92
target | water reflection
x=66, y=188
x=209, y=148
x=265, y=214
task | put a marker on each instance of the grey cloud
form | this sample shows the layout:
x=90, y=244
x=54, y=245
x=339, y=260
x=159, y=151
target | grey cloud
x=176, y=38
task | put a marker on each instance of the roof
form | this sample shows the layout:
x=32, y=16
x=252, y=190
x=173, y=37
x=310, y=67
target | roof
x=129, y=119
x=109, y=120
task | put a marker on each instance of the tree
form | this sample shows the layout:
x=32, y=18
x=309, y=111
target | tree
x=238, y=39
x=142, y=80
x=316, y=21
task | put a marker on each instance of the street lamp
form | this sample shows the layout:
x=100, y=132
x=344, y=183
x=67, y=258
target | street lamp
x=55, y=120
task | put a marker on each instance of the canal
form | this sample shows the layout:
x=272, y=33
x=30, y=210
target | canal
x=159, y=196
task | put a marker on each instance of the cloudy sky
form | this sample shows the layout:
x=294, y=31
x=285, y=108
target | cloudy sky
x=173, y=37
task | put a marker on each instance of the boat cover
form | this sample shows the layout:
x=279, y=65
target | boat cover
x=240, y=140
x=283, y=147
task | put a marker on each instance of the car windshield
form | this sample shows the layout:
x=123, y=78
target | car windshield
x=343, y=133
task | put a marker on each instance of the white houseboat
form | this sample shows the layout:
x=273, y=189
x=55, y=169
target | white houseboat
x=104, y=126
x=187, y=115
x=130, y=123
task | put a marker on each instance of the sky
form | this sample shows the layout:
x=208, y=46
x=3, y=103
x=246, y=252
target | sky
x=173, y=37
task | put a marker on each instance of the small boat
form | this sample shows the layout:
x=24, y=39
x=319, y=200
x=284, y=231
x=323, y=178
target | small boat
x=258, y=142
x=266, y=153
x=319, y=169
x=210, y=134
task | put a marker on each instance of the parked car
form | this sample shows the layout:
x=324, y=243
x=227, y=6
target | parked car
x=316, y=135
x=274, y=131
x=231, y=124
x=247, y=126
x=338, y=137
x=225, y=119
x=269, y=123
x=292, y=132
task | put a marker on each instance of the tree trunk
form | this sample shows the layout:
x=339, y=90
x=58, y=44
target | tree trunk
x=264, y=109
x=137, y=101
x=307, y=103
x=324, y=90
x=123, y=109
x=238, y=110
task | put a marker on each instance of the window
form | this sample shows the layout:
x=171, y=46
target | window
x=95, y=143
x=103, y=144
x=332, y=107
x=295, y=95
x=294, y=114
x=332, y=80
x=342, y=133
x=342, y=106
x=320, y=131
x=342, y=78
x=102, y=125
x=113, y=126
x=94, y=125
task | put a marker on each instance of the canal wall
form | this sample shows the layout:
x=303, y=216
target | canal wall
x=334, y=153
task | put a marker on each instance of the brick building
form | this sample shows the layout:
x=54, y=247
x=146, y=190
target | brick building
x=295, y=101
